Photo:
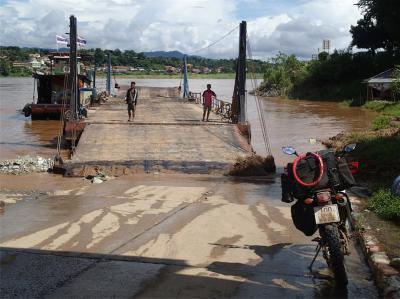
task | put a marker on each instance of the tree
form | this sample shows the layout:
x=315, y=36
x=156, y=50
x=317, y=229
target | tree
x=4, y=68
x=99, y=57
x=396, y=83
x=379, y=26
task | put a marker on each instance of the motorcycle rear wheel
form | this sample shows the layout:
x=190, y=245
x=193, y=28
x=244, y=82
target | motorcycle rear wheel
x=335, y=261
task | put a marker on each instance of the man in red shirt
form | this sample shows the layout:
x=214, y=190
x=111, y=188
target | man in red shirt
x=208, y=94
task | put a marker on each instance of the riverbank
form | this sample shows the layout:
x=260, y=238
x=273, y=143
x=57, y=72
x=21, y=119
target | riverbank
x=153, y=76
x=178, y=76
x=378, y=151
x=376, y=208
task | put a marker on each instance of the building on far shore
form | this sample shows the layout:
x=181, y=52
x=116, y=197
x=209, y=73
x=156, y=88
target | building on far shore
x=379, y=87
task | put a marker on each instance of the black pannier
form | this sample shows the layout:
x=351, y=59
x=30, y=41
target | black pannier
x=346, y=177
x=286, y=185
x=331, y=173
x=303, y=218
x=298, y=191
x=336, y=174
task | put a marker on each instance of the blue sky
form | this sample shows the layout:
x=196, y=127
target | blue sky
x=290, y=26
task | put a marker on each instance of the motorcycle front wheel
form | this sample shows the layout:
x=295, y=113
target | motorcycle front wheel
x=330, y=234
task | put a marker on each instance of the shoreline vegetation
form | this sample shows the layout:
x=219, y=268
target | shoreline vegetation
x=378, y=151
x=334, y=77
x=151, y=76
x=179, y=76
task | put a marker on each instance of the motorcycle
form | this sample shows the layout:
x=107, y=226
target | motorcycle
x=318, y=182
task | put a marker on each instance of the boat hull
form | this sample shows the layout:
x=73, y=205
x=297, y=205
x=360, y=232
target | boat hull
x=47, y=111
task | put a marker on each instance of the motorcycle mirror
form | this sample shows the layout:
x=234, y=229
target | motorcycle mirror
x=288, y=150
x=349, y=148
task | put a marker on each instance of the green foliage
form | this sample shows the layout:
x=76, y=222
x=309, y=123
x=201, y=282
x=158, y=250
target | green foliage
x=346, y=103
x=388, y=111
x=377, y=106
x=281, y=73
x=337, y=77
x=385, y=204
x=379, y=26
x=381, y=122
x=378, y=154
x=395, y=86
x=323, y=56
x=132, y=59
x=5, y=67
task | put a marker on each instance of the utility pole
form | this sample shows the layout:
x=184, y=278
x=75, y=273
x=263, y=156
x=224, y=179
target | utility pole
x=73, y=76
x=239, y=91
x=185, y=79
x=108, y=74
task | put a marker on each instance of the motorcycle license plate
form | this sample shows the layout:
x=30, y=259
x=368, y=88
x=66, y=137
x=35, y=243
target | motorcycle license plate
x=326, y=214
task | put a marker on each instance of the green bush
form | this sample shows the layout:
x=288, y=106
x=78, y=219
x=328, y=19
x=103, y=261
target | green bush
x=346, y=103
x=385, y=204
x=381, y=122
x=383, y=106
x=376, y=105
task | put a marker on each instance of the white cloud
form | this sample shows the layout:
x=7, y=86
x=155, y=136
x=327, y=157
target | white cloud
x=180, y=24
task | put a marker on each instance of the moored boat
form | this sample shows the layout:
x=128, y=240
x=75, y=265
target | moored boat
x=53, y=94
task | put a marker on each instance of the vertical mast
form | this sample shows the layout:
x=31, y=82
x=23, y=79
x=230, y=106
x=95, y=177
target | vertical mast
x=108, y=73
x=73, y=60
x=239, y=89
x=185, y=79
x=242, y=72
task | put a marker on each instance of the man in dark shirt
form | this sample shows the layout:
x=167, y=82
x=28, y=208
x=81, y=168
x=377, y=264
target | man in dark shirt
x=208, y=94
x=131, y=100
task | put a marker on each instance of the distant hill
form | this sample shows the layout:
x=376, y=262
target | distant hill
x=168, y=54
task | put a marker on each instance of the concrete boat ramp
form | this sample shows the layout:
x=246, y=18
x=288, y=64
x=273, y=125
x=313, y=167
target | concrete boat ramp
x=159, y=234
x=167, y=135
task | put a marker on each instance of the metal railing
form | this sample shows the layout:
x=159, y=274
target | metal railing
x=222, y=108
x=219, y=107
x=195, y=96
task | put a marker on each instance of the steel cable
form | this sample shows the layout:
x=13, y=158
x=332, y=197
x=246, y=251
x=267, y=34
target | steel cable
x=263, y=124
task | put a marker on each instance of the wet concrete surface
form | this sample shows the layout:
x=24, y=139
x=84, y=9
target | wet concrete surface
x=166, y=236
x=147, y=236
x=167, y=134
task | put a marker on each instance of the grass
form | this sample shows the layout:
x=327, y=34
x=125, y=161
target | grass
x=381, y=122
x=385, y=204
x=377, y=151
x=347, y=103
x=388, y=112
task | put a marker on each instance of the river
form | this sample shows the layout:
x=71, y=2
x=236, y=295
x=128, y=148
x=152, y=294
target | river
x=289, y=122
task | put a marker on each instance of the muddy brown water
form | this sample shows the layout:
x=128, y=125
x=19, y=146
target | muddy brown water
x=289, y=122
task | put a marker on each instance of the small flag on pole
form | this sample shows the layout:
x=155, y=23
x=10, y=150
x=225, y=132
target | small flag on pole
x=81, y=41
x=61, y=40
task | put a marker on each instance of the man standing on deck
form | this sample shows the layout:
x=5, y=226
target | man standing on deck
x=208, y=94
x=131, y=100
